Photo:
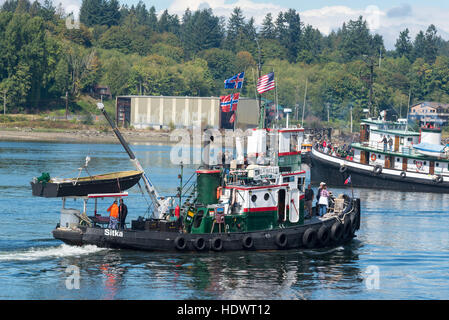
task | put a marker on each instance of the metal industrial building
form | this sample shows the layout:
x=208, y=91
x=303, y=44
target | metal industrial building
x=160, y=112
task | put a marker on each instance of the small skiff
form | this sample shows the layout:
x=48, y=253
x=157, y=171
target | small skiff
x=113, y=182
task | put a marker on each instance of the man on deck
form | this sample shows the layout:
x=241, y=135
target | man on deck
x=122, y=213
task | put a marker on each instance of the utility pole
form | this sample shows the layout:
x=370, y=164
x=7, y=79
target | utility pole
x=304, y=105
x=380, y=57
x=369, y=61
x=351, y=118
x=4, y=102
x=66, y=104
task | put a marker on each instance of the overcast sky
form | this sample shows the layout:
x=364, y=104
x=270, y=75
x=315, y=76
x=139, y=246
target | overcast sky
x=386, y=17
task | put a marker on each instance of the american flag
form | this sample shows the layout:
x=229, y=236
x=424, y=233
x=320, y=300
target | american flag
x=265, y=83
x=236, y=82
x=229, y=103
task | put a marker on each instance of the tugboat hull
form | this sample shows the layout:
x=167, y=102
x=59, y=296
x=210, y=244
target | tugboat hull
x=330, y=171
x=325, y=233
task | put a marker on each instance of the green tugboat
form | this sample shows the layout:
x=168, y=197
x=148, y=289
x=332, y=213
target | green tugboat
x=254, y=203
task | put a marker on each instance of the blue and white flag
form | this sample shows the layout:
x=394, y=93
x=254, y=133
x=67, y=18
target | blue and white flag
x=236, y=82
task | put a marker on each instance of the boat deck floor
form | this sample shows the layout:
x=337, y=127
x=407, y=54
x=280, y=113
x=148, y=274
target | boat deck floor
x=315, y=219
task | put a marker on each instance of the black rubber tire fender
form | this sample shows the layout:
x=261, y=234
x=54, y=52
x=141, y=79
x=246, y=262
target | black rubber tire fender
x=336, y=231
x=281, y=240
x=216, y=244
x=347, y=228
x=353, y=223
x=199, y=244
x=438, y=179
x=309, y=238
x=343, y=168
x=403, y=174
x=324, y=235
x=248, y=242
x=180, y=243
x=377, y=169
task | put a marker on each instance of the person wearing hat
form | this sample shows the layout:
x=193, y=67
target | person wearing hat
x=323, y=201
x=113, y=216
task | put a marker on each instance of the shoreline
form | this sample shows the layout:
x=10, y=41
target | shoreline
x=84, y=136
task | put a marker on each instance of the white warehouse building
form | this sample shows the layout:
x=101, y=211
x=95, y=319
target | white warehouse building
x=162, y=112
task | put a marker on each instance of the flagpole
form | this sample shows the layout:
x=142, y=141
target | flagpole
x=276, y=98
x=304, y=105
x=259, y=71
x=240, y=93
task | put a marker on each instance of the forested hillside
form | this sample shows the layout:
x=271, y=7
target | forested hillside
x=134, y=50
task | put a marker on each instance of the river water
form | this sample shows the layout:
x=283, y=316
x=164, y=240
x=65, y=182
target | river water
x=401, y=250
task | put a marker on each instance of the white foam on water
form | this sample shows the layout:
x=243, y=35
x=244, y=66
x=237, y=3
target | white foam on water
x=63, y=250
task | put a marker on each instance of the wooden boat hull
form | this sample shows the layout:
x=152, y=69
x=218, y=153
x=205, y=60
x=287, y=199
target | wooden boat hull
x=305, y=236
x=330, y=172
x=108, y=183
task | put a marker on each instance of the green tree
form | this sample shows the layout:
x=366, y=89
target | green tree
x=404, y=46
x=268, y=28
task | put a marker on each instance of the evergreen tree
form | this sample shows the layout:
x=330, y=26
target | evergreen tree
x=100, y=12
x=152, y=18
x=356, y=40
x=431, y=44
x=235, y=30
x=200, y=31
x=268, y=28
x=419, y=46
x=404, y=46
x=291, y=40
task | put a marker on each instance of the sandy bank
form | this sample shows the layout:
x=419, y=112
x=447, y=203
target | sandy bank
x=84, y=136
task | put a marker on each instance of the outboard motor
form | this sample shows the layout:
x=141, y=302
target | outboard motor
x=69, y=217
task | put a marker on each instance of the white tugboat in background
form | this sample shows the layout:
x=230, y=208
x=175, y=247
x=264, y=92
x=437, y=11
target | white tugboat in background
x=388, y=156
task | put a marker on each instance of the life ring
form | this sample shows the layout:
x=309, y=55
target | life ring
x=281, y=240
x=180, y=243
x=199, y=244
x=323, y=235
x=403, y=174
x=217, y=244
x=438, y=178
x=343, y=168
x=373, y=157
x=247, y=242
x=309, y=238
x=377, y=169
x=336, y=231
x=219, y=190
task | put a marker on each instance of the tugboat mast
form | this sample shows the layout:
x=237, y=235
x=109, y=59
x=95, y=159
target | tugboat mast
x=259, y=96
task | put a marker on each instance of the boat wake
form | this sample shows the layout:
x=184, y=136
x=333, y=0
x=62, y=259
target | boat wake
x=323, y=252
x=61, y=251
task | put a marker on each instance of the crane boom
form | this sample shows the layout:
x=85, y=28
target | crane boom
x=161, y=204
